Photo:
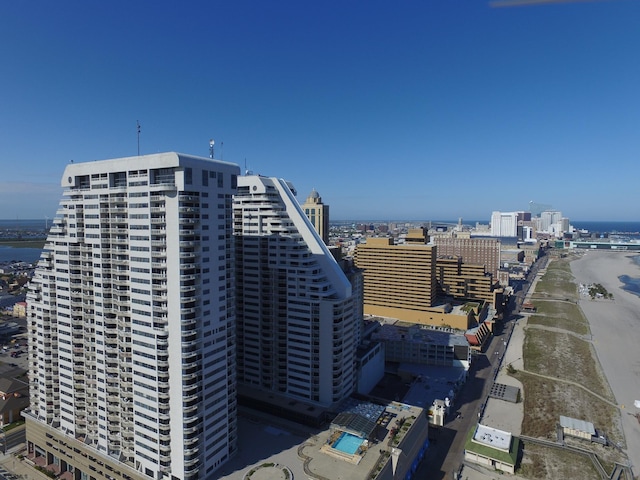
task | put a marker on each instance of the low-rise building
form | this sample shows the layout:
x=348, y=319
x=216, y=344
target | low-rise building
x=492, y=448
x=577, y=428
x=428, y=346
x=20, y=309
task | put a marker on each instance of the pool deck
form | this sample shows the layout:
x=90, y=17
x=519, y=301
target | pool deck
x=265, y=439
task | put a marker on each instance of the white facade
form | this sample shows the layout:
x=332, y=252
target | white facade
x=504, y=224
x=296, y=329
x=549, y=219
x=131, y=317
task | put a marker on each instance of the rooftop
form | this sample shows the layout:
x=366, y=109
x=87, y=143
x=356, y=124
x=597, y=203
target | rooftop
x=575, y=424
x=420, y=334
x=508, y=455
x=492, y=437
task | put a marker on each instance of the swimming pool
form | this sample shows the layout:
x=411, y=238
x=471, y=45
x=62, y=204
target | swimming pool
x=348, y=443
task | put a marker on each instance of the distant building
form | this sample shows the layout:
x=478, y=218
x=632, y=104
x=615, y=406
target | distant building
x=479, y=251
x=549, y=218
x=318, y=214
x=20, y=309
x=417, y=236
x=504, y=224
x=464, y=280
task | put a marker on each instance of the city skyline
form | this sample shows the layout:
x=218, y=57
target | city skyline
x=411, y=111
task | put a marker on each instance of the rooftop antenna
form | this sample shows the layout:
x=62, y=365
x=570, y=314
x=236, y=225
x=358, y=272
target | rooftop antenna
x=211, y=144
x=221, y=150
x=138, y=128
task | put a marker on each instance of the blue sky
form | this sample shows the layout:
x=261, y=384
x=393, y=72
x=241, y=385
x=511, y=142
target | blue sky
x=418, y=110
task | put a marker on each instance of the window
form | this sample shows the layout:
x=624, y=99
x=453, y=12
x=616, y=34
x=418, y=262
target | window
x=188, y=176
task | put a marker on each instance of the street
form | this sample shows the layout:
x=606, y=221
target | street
x=446, y=452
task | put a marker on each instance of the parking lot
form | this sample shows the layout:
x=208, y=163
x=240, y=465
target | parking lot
x=13, y=348
x=14, y=354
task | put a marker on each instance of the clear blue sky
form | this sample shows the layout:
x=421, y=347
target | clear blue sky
x=415, y=109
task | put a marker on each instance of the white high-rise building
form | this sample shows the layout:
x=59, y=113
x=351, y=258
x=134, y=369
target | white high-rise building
x=297, y=328
x=131, y=318
x=548, y=218
x=504, y=224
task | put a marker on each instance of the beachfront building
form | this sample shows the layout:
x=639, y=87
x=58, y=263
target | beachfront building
x=297, y=328
x=318, y=213
x=492, y=448
x=131, y=322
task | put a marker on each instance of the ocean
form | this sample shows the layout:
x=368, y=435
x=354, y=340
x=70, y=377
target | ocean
x=8, y=254
x=608, y=227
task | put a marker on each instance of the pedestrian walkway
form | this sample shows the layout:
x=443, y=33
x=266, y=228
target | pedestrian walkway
x=13, y=467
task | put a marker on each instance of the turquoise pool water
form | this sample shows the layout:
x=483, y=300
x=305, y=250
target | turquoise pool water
x=348, y=443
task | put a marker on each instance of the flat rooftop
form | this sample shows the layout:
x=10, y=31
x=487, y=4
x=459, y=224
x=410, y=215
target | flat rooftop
x=431, y=383
x=492, y=437
x=408, y=332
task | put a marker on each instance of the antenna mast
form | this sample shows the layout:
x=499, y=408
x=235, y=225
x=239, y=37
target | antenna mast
x=138, y=128
x=211, y=144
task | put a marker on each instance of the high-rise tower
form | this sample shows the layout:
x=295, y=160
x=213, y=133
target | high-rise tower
x=131, y=319
x=296, y=331
x=318, y=214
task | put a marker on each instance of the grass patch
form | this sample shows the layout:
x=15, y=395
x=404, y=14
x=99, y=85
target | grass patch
x=13, y=425
x=545, y=400
x=547, y=462
x=557, y=282
x=23, y=243
x=566, y=357
x=560, y=314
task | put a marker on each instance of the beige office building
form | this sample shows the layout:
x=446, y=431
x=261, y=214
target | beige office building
x=318, y=213
x=399, y=280
x=464, y=280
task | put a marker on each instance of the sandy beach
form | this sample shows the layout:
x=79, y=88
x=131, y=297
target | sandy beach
x=615, y=326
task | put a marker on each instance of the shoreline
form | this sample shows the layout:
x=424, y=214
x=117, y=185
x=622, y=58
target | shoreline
x=615, y=330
